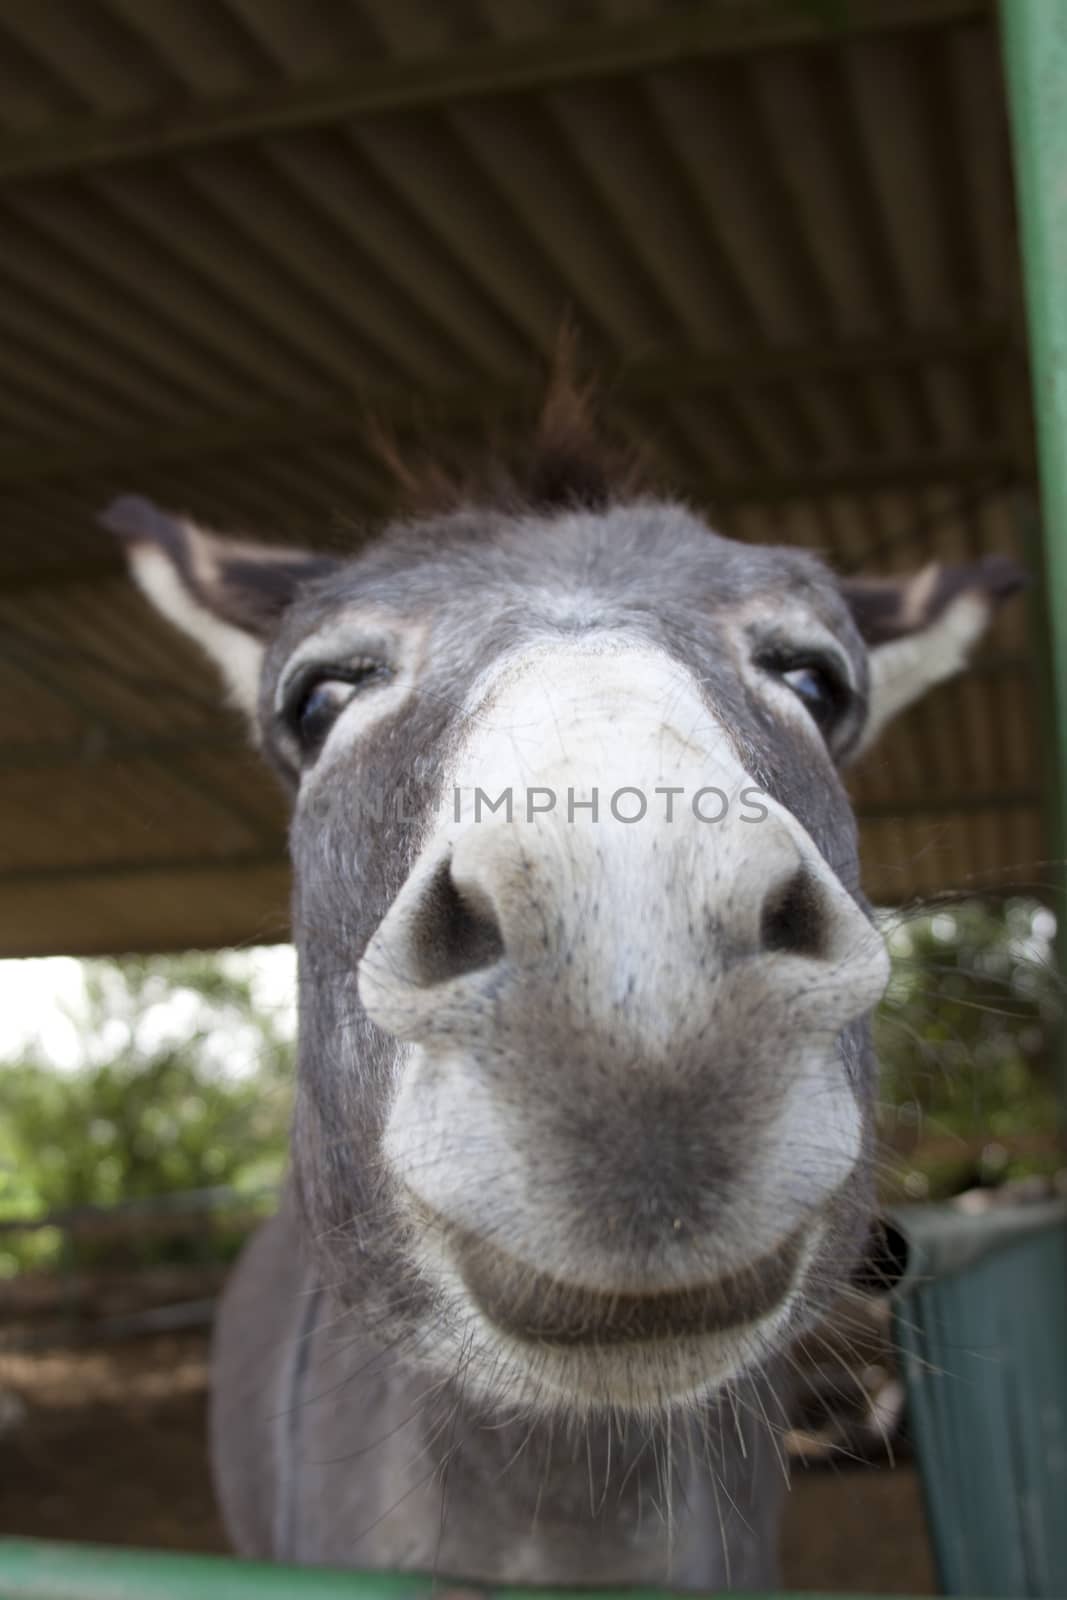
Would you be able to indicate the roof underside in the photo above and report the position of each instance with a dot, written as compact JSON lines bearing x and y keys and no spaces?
{"x":231,"y":228}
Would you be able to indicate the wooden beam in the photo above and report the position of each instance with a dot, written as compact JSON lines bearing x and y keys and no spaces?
{"x":918,"y":807}
{"x":677,"y":375}
{"x":64,"y":574}
{"x":573,"y":54}
{"x":684,"y":372}
{"x":929,"y":468}
{"x":993,"y":463}
{"x":179,"y":905}
{"x":78,"y":755}
{"x":110,"y":871}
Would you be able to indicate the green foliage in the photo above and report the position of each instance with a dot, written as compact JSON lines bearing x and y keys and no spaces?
{"x":966,"y":1038}
{"x":184,"y":1083}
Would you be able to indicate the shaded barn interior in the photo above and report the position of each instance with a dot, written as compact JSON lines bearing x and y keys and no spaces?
{"x":234,"y":230}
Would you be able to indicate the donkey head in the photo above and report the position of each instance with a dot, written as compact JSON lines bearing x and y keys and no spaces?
{"x":586,"y":1087}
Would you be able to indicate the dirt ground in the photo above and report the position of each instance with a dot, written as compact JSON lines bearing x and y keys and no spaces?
{"x":112,"y":1448}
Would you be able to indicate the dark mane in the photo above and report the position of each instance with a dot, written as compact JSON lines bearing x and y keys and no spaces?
{"x":569,"y":461}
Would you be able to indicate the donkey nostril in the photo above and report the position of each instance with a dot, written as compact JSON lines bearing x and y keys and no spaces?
{"x":793,"y":917}
{"x":454,"y":933}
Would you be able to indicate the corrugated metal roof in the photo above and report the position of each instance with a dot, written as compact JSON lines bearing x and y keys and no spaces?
{"x":231,"y":228}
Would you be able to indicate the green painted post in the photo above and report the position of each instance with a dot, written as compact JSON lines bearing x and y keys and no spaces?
{"x":1035,"y":56}
{"x":1034,"y":34}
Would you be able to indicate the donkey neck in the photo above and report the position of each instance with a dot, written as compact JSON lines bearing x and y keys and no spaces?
{"x":438,"y":1484}
{"x":602,"y":1502}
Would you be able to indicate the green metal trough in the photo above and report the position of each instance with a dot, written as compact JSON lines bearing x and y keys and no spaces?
{"x":981,"y":1326}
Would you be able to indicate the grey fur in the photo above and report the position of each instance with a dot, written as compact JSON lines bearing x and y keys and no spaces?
{"x":342,"y":1431}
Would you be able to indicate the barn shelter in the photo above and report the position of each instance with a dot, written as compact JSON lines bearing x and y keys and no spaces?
{"x":784,"y":229}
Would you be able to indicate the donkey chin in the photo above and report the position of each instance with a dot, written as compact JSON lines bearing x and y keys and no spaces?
{"x":528,"y":1339}
{"x":627,"y":1265}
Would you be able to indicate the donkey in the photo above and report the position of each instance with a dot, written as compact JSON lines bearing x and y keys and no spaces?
{"x":583,"y":1129}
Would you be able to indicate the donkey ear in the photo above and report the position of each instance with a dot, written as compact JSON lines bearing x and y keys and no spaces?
{"x":227,"y":594}
{"x":920,"y":629}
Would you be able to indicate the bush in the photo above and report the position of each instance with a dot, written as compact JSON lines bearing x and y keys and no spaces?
{"x":966,"y":1038}
{"x":183,"y":1083}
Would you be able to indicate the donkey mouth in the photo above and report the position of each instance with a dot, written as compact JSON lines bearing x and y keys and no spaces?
{"x":540,"y":1309}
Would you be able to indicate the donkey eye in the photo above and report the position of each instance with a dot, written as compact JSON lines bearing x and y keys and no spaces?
{"x":820,"y":689}
{"x":318,"y":700}
{"x":320,"y":708}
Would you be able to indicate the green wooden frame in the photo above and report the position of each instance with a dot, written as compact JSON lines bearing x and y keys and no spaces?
{"x":38,"y":1571}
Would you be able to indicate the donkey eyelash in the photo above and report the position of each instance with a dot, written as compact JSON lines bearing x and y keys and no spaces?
{"x":782,"y":658}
